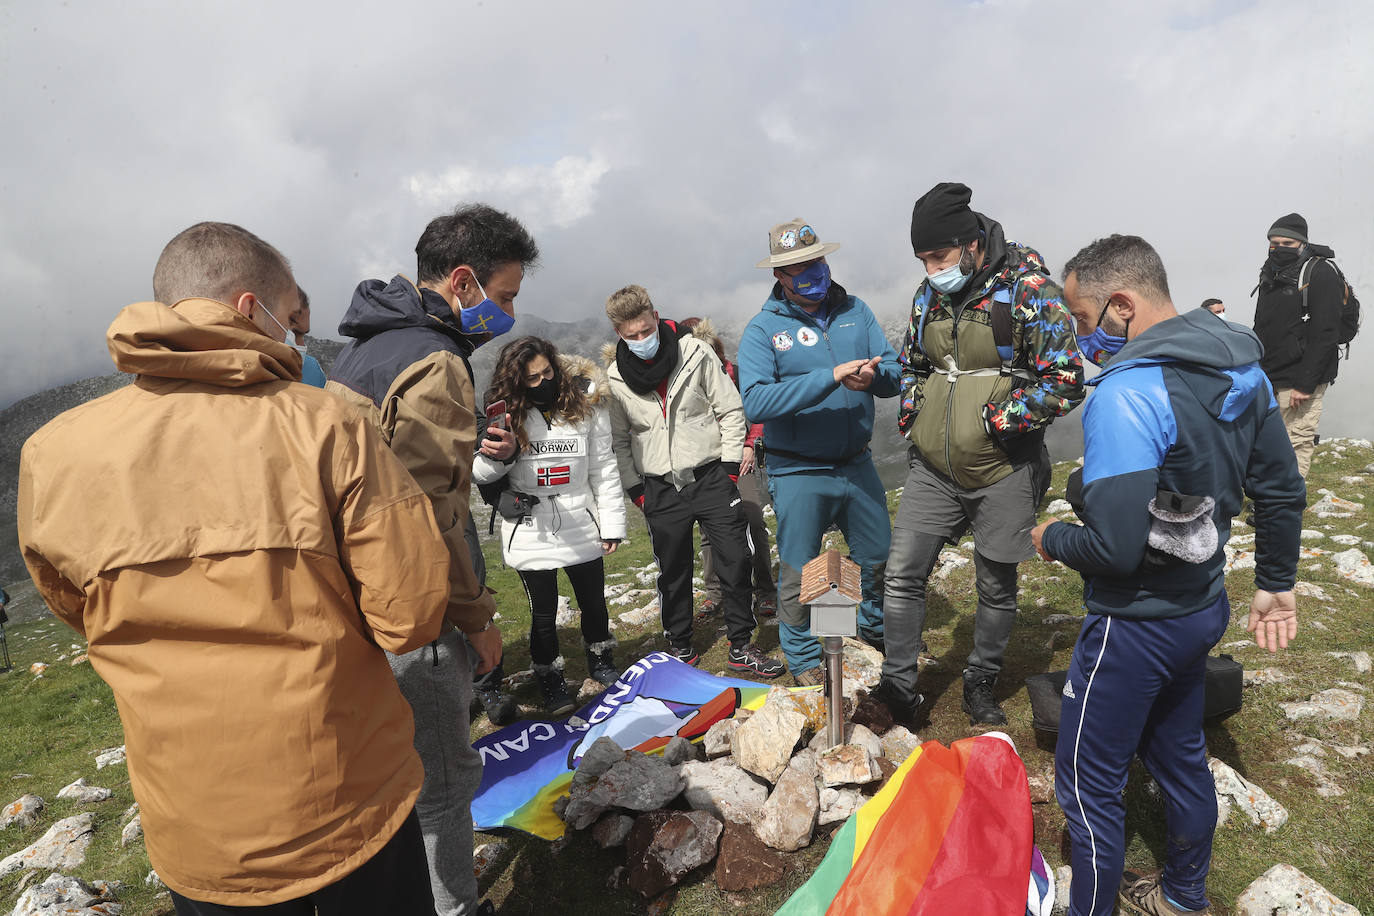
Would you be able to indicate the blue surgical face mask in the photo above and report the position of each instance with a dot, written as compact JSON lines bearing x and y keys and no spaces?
{"x":951,"y":279}
{"x":486,"y":317}
{"x":812,"y":284}
{"x":1099,"y":346}
{"x":645,"y":348}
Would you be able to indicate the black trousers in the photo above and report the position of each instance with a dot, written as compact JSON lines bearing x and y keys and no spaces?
{"x":395,"y":880}
{"x":713,"y":502}
{"x":589,"y":586}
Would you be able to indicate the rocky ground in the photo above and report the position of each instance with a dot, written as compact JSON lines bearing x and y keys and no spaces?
{"x":736,"y":823}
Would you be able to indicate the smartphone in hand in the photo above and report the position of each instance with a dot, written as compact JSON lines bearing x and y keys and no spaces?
{"x":496,"y":415}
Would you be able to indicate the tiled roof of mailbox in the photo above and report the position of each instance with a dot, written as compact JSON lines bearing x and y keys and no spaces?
{"x":831,"y":570}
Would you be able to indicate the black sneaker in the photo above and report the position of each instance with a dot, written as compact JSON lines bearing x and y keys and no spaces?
{"x":557,"y":700}
{"x":979,"y":703}
{"x":751,"y":658}
{"x":500,"y":708}
{"x":685,"y":654}
{"x":902,"y":708}
{"x":600,"y":664}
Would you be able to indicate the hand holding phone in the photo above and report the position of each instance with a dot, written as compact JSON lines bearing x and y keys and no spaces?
{"x":496,"y":415}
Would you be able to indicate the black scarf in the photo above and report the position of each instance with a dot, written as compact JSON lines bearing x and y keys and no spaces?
{"x":644,"y":376}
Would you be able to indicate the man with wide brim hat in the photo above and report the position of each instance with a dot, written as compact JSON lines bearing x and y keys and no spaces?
{"x":810,"y":364}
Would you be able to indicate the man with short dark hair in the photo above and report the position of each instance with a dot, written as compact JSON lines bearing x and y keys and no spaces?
{"x":257,"y":542}
{"x":1298,"y":319}
{"x":1215,"y":306}
{"x":312,"y":373}
{"x":810,"y":364}
{"x":1181,"y":425}
{"x":988,"y":363}
{"x":407,"y":368}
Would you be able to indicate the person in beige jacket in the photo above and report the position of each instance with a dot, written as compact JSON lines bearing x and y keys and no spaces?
{"x":238,"y":548}
{"x":677,"y":430}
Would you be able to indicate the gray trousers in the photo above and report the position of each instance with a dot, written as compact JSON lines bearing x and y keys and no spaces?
{"x":437,"y":682}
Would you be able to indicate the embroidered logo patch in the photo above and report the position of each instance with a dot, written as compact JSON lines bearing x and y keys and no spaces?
{"x":782,"y":341}
{"x":807,"y":337}
{"x":787,"y":240}
{"x":554,"y":476}
{"x":1068,"y":690}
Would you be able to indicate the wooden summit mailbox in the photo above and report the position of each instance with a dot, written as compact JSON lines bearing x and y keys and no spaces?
{"x":832,"y":585}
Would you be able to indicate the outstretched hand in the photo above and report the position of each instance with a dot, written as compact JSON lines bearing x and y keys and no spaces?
{"x":1273,"y":619}
{"x":857,"y":374}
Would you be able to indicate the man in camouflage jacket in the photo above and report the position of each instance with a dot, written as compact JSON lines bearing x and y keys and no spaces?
{"x":989,"y":360}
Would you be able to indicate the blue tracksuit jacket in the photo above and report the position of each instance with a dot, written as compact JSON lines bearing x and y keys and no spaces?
{"x":1184,"y":407}
{"x":787,"y":366}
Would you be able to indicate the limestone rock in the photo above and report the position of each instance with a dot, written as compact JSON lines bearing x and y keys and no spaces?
{"x":1059,"y":507}
{"x":898,"y":743}
{"x":863,"y":666}
{"x":566,"y":615}
{"x":61,"y":895}
{"x":111,"y":756}
{"x":1055,"y":620}
{"x":1355,"y":566}
{"x":636,"y":781}
{"x":588,"y":689}
{"x":716,"y":742}
{"x":81,"y":659}
{"x":638,"y":618}
{"x":485,"y":857}
{"x":1360,"y":660}
{"x":665,"y":845}
{"x":854,"y":733}
{"x":745,"y":863}
{"x":1334,"y":703}
{"x":612,"y":829}
{"x":723,"y":789}
{"x":763,"y":744}
{"x":23,"y":811}
{"x":1309,"y":590}
{"x":789,"y":815}
{"x":37,"y":668}
{"x":1326,"y":786}
{"x":813,"y":705}
{"x":132,"y":831}
{"x":63,"y":846}
{"x":84,"y":793}
{"x":1263,"y":677}
{"x":1285,"y":891}
{"x":846,"y":765}
{"x":1249,"y":798}
{"x":1332,"y":506}
{"x":837,"y":804}
{"x":1041,"y":789}
{"x":600,"y":757}
{"x":1063,"y":882}
{"x":152,"y":880}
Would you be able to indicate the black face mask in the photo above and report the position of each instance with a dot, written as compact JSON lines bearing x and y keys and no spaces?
{"x":544,"y":395}
{"x":1282,"y":258}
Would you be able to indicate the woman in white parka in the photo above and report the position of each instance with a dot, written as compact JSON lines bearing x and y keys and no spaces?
{"x":563,"y":507}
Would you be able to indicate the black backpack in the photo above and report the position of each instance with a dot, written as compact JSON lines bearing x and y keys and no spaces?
{"x":1350,"y":304}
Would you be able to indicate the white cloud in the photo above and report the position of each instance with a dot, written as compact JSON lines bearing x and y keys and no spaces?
{"x":556,"y":195}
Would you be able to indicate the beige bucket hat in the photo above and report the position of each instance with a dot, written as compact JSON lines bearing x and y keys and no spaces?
{"x":794,"y":242}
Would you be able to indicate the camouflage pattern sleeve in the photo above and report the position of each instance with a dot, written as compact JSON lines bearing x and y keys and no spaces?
{"x":915,"y":369}
{"x":1048,"y":350}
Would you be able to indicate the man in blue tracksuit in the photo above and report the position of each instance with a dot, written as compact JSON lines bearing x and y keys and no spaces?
{"x":1182,"y":425}
{"x":810,"y":364}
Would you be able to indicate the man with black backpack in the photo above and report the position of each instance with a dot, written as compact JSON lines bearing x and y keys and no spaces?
{"x":1305,"y":311}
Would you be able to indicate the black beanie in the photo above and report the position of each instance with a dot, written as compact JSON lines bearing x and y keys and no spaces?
{"x":1291,"y":226}
{"x":942,"y":218}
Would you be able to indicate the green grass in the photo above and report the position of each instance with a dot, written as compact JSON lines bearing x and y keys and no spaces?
{"x":53,"y":725}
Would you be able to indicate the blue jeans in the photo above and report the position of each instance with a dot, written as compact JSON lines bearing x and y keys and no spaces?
{"x":806,"y":503}
{"x":1136,"y":687}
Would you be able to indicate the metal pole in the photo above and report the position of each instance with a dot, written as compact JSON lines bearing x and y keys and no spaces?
{"x":834,"y":687}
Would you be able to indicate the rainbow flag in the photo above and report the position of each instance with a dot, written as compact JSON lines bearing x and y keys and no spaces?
{"x":529,"y":765}
{"x":951,"y":832}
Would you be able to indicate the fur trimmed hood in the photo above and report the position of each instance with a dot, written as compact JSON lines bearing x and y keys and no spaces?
{"x":575,"y":366}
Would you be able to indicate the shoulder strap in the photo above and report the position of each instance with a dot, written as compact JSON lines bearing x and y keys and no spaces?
{"x":921,"y":321}
{"x":1000,"y":314}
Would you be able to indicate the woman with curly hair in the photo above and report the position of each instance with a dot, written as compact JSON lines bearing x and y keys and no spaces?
{"x":563,"y":507}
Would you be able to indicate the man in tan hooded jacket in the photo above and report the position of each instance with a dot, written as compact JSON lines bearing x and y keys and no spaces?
{"x":236,"y":547}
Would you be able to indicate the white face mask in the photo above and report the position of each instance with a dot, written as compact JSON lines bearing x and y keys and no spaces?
{"x":286,"y":335}
{"x":646,"y":348}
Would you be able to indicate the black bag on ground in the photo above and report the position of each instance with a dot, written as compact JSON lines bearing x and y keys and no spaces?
{"x":1222,"y":688}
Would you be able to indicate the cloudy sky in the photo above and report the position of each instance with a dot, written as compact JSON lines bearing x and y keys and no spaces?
{"x":656,"y":143}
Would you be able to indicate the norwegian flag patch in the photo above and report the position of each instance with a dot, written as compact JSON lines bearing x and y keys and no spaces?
{"x":554,"y":476}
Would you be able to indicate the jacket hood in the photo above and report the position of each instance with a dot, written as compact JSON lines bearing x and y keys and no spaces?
{"x":378,"y":307}
{"x":575,"y":366}
{"x":1006,"y":261}
{"x":1223,"y":357}
{"x":200,"y":340}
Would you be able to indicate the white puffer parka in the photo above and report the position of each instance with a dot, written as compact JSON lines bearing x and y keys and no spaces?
{"x":571,"y":469}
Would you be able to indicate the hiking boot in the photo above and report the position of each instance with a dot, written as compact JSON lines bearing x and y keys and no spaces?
{"x":499,"y":707}
{"x":751,"y":658}
{"x":600,"y":665}
{"x":557,"y":700}
{"x":979,"y":703}
{"x":766,"y":604}
{"x":1141,"y":896}
{"x":810,"y":677}
{"x":903,"y":709}
{"x":708,"y":608}
{"x":684,"y":654}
